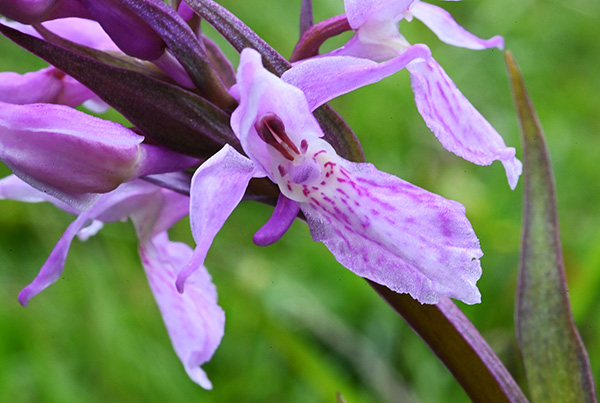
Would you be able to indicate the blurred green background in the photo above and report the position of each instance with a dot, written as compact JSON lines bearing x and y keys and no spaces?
{"x":299,"y":326}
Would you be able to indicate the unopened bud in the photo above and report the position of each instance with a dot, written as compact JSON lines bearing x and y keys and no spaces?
{"x":60,"y":150}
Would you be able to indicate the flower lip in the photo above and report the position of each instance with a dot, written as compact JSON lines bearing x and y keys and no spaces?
{"x":271,"y":130}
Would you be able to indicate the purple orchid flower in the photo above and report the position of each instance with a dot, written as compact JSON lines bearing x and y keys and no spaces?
{"x":74,"y":156}
{"x":50,"y":85}
{"x":121,"y":24}
{"x":194,"y":321}
{"x":456,"y":123}
{"x":36,"y":11}
{"x":131,"y":34}
{"x":375,"y":224}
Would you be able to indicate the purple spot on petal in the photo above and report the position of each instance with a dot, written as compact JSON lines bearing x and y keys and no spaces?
{"x":317,"y":153}
{"x":342,"y":192}
{"x":282,"y":170}
{"x":303,"y":146}
{"x":327,"y":199}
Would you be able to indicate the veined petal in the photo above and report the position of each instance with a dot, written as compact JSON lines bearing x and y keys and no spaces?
{"x":396,"y":234}
{"x":217,"y":188}
{"x":447,"y":29}
{"x":283,"y":216}
{"x":194,"y":321}
{"x":455,"y":121}
{"x":324,"y":78}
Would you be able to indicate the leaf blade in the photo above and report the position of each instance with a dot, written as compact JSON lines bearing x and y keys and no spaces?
{"x":556,"y":363}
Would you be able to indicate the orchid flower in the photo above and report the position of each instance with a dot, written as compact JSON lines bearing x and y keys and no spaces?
{"x":453,"y":119}
{"x":129,"y":32}
{"x":194,"y":321}
{"x":73,"y":155}
{"x":50,"y":85}
{"x":375,"y":224}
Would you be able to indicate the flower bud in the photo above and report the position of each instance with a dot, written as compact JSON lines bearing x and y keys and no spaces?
{"x":36,"y":11}
{"x":66,"y":153}
{"x":130,"y":32}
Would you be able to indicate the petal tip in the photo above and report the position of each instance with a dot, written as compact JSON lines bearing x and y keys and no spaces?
{"x":497,"y":42}
{"x":25,"y":296}
{"x":180,"y":282}
{"x":514,"y":169}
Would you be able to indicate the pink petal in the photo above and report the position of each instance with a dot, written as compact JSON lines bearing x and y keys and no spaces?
{"x":194,"y":321}
{"x":261,"y":92}
{"x":52,"y":269}
{"x":283,"y":216}
{"x":324,"y":78}
{"x":396,"y":234}
{"x":456,"y":123}
{"x":447,"y":29}
{"x":14,"y":188}
{"x":360,"y":11}
{"x":217,"y":188}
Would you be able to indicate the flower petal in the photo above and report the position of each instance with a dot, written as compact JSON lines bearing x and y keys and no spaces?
{"x":261,"y":92}
{"x":109,"y":207}
{"x":456,"y":123}
{"x":35,"y":11}
{"x":447,"y":29}
{"x":14,"y":188}
{"x":128,"y":30}
{"x":194,"y":321}
{"x":283,"y":216}
{"x":324,"y":78}
{"x":360,"y":11}
{"x":61,"y":148}
{"x":396,"y":234}
{"x":79,"y":30}
{"x":217,"y":188}
{"x":70,"y":154}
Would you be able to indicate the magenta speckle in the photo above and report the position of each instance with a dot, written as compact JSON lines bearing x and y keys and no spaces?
{"x":282,"y":170}
{"x":342,"y":193}
{"x":318,"y":152}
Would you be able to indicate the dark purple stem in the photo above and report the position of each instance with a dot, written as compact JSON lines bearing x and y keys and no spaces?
{"x":313,"y":38}
{"x":306,"y":16}
{"x":458,"y":344}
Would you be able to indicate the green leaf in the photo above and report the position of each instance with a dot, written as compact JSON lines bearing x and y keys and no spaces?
{"x":556,"y":363}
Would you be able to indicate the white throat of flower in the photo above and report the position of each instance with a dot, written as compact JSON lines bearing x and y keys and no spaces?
{"x":300,"y":167}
